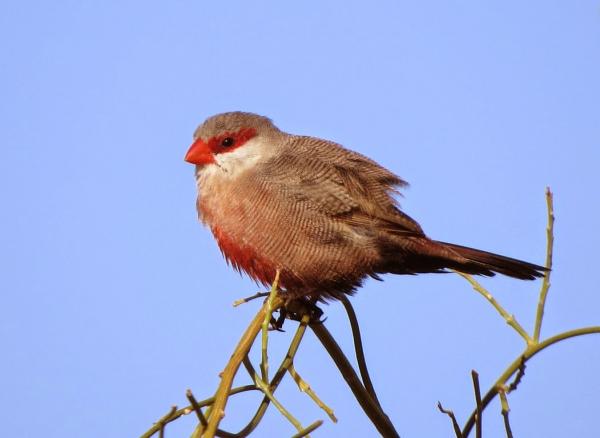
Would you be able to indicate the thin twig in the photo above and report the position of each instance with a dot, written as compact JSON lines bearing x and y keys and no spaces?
{"x":510,"y":319}
{"x":358,"y":348}
{"x":517,"y":363}
{"x":546,"y":282}
{"x":262,"y":408}
{"x":309,"y":429}
{"x":196,"y":407}
{"x":188,"y":409}
{"x":505,"y":411}
{"x":264,"y":387}
{"x":379,"y":419}
{"x":518,"y":377}
{"x":305,"y":387}
{"x":250,"y":298}
{"x":450,"y":414}
{"x":264,"y":362}
{"x":161,"y":423}
{"x":230,"y":370}
{"x":479,"y":419}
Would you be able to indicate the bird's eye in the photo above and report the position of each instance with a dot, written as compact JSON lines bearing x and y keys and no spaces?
{"x":227,"y":142}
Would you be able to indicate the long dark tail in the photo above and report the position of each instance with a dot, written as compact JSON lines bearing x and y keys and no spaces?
{"x":475,"y":261}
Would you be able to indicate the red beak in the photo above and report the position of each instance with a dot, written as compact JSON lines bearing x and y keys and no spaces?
{"x":199,"y":153}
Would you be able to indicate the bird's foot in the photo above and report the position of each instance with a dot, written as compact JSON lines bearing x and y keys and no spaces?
{"x":297,"y":308}
{"x":277,"y":323}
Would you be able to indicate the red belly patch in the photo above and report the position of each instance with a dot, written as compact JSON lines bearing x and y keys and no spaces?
{"x":245,"y":258}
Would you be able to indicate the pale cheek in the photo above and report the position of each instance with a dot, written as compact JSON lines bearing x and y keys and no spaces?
{"x":224,"y":162}
{"x":228,"y":167}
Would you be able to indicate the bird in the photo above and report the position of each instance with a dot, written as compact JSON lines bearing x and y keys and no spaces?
{"x":325,"y":217}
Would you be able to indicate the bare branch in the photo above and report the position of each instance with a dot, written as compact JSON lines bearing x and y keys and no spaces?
{"x":505,"y":411}
{"x":358,"y":348}
{"x":309,"y":429}
{"x":510,"y":319}
{"x":450,"y":414}
{"x":369,"y":406}
{"x":546,"y":282}
{"x":517,"y":364}
{"x":479,"y":410}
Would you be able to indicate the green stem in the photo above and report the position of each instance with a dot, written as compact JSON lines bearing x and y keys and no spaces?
{"x":379,"y":419}
{"x":510,"y":319}
{"x":309,"y":429}
{"x":264,"y":387}
{"x":240,"y":352}
{"x":358,"y":348}
{"x":305,"y":387}
{"x":546,"y":282}
{"x":529,"y":352}
{"x":505,"y":411}
{"x":262,"y":408}
{"x":264,"y":363}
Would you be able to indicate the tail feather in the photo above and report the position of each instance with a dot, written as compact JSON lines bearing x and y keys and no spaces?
{"x":475,"y":261}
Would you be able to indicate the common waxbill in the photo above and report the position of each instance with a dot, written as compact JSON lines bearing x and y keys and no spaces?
{"x":323,"y":215}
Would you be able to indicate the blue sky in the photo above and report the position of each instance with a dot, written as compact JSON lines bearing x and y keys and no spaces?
{"x":115,"y":300}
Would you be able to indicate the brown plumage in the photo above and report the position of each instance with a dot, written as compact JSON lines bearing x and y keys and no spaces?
{"x":323,"y":215}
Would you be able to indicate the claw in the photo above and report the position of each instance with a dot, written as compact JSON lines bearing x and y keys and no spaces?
{"x":295,"y":309}
{"x":277,"y":324}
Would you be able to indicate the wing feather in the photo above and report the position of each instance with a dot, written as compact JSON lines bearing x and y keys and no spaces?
{"x":340,"y":183}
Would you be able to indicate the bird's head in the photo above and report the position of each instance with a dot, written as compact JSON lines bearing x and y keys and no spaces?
{"x":232,"y":138}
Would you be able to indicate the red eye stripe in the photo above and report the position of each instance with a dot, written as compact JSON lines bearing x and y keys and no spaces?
{"x":239,"y":139}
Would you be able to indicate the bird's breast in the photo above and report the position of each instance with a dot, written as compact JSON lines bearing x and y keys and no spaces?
{"x":231,"y":209}
{"x":244,"y":257}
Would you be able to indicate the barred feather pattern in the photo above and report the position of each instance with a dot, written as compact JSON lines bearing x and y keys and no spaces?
{"x":326,"y":217}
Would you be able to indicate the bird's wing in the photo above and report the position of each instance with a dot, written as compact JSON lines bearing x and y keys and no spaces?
{"x":340,"y":183}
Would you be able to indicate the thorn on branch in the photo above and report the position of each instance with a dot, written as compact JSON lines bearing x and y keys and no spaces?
{"x":519,"y":375}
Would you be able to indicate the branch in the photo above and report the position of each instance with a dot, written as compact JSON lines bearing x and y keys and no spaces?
{"x":358,"y":348}
{"x":369,"y":406}
{"x":242,"y":349}
{"x":546,"y":282}
{"x":309,"y":429}
{"x":510,"y":319}
{"x":196,"y":407}
{"x":264,"y":387}
{"x":505,"y":411}
{"x":478,"y":409}
{"x":262,"y":408}
{"x":305,"y":387}
{"x":519,"y":363}
{"x":264,"y":362}
{"x":162,"y":422}
{"x":450,"y":414}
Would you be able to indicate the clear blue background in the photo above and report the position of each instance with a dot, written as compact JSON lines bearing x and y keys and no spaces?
{"x":115,"y":300}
